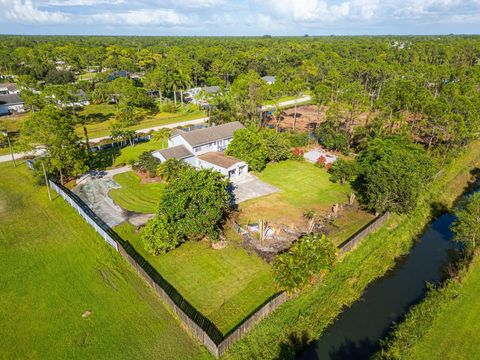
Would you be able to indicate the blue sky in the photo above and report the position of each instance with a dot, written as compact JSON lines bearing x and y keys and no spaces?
{"x":236,"y":17}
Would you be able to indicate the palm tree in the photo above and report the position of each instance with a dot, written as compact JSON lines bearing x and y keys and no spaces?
{"x":177,"y":80}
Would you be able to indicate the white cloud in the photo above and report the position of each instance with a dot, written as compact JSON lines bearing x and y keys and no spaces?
{"x":82,"y":2}
{"x":25,"y":12}
{"x":304,"y":11}
{"x":200,"y":4}
{"x":144,"y":17}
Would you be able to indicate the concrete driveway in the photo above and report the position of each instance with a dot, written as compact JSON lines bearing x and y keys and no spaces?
{"x":93,"y":189}
{"x":248,"y":186}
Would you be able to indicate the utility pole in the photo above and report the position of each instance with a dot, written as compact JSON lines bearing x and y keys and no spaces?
{"x":5,"y":133}
{"x":46,"y":182}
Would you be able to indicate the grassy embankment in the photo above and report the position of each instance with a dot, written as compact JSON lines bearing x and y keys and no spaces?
{"x":224,"y":285}
{"x":55,"y":268}
{"x":304,"y":318}
{"x":135,"y":196}
{"x":303,"y":187}
{"x":444,"y":325}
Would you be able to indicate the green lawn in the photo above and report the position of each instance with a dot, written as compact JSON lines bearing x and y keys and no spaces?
{"x":135,"y":196}
{"x":130,"y":154}
{"x":303,"y":187}
{"x":100,"y":117}
{"x":54,"y":268}
{"x":454,"y":333}
{"x":225,"y":285}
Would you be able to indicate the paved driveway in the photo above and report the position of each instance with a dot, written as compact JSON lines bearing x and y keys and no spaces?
{"x":93,"y":189}
{"x":248,"y":186}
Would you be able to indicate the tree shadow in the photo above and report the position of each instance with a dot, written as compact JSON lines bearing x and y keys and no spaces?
{"x":293,"y":345}
{"x":103,"y":159}
{"x":98,"y":117}
{"x":357,"y":350}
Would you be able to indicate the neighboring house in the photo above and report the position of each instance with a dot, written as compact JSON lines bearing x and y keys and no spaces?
{"x":9,"y":88}
{"x":11,"y":103}
{"x":269,"y":79}
{"x":82,"y":99}
{"x":193,"y":95}
{"x":203,"y":148}
{"x":119,"y":74}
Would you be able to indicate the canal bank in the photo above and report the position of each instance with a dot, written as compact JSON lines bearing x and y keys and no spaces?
{"x":358,"y":330}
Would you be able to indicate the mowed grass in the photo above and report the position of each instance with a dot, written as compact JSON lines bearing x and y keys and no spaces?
{"x":100,"y":118}
{"x":131,"y":154}
{"x":225,"y":285}
{"x":454,"y":334}
{"x":303,"y":187}
{"x":54,"y":268}
{"x":135,"y":196}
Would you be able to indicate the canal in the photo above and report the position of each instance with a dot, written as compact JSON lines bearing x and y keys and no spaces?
{"x":357,"y":331}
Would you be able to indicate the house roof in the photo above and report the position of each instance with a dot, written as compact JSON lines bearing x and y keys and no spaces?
{"x":269,"y":78}
{"x":219,"y":159}
{"x":10,"y":99}
{"x":212,"y":89}
{"x":8,"y":86}
{"x":204,"y":136}
{"x":175,"y":152}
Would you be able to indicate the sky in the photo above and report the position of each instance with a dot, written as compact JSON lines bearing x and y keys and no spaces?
{"x":239,"y":17}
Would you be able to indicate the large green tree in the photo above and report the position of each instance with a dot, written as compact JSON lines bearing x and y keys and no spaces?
{"x":65,"y":155}
{"x":467,"y":226}
{"x":257,"y":147}
{"x":393,"y":172}
{"x":192,"y":207}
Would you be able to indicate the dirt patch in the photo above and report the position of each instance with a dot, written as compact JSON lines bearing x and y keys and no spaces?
{"x":308,"y":118}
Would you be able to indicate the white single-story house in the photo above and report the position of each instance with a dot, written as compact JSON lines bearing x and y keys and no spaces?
{"x":9,"y":88}
{"x":192,"y":95}
{"x":269,"y":79}
{"x":11,"y":103}
{"x":203,"y":149}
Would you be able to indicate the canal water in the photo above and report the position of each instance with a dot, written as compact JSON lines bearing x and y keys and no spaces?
{"x":358,"y":330}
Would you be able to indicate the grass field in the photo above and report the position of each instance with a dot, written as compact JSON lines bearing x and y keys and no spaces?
{"x":132,"y":153}
{"x":454,"y":334}
{"x":225,"y":285}
{"x":304,"y":187}
{"x":100,"y":117}
{"x":135,"y":196}
{"x":54,"y":268}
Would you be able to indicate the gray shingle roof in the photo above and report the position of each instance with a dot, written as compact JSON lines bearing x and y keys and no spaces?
{"x":212,"y":89}
{"x":269,"y":78}
{"x":204,"y":136}
{"x":219,"y":159}
{"x":10,"y":99}
{"x":175,"y":152}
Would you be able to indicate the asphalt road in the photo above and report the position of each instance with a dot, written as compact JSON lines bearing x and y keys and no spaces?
{"x":5,"y":158}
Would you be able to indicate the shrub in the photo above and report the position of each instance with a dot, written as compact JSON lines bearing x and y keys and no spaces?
{"x":321,"y":161}
{"x":147,"y":163}
{"x":171,"y":169}
{"x":310,"y":256}
{"x":298,"y":153}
